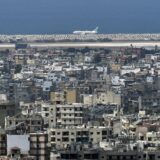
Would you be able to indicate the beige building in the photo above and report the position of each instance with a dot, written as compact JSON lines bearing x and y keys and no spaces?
{"x":66,"y":114}
{"x":57,"y":97}
{"x":88,"y":99}
{"x":30,"y":61}
{"x":102,"y":97}
{"x":67,"y":96}
{"x":108,"y":97}
{"x":70,"y":95}
{"x":21,"y":58}
{"x":61,"y":137}
{"x":115,"y":67}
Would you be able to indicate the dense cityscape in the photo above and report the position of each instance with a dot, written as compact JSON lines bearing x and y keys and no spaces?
{"x":79,"y":103}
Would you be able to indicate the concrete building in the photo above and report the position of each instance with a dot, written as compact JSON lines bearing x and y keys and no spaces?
{"x":3,"y":143}
{"x":70,"y":95}
{"x":107,"y":97}
{"x":19,"y":141}
{"x":18,"y":147}
{"x":39,"y":146}
{"x":62,"y":137}
{"x":88,"y":99}
{"x":57,"y":97}
{"x":115,"y":67}
{"x":66,"y":114}
{"x":6,"y":109}
{"x":24,"y":124}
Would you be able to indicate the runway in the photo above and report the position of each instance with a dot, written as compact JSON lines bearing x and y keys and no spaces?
{"x":135,"y":44}
{"x":148,"y":44}
{"x":7,"y":46}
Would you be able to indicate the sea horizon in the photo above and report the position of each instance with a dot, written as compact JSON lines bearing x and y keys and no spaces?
{"x":63,"y":17}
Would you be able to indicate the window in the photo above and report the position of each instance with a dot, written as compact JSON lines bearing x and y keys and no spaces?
{"x":53,"y":139}
{"x":91,"y":156}
{"x":78,"y":133}
{"x":65,"y":156}
{"x":65,"y":139}
{"x":47,"y":114}
{"x":65,"y":133}
{"x":45,"y":109}
{"x":85,"y":133}
{"x":80,"y":114}
{"x":104,"y":133}
{"x":73,"y":156}
{"x":3,"y":138}
{"x":39,"y":122}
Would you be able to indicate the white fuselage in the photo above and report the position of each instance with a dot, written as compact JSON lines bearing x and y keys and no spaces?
{"x":85,"y":32}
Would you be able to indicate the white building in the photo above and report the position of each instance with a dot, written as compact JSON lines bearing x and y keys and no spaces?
{"x":18,"y":141}
{"x":130,"y":70}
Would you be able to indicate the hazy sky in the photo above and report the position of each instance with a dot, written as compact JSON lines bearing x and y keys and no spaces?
{"x":63,"y":16}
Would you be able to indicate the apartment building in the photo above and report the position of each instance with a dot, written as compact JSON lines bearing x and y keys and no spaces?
{"x":68,"y":96}
{"x":24,"y":124}
{"x":6,"y":109}
{"x":66,"y":114}
{"x":39,"y":146}
{"x":109,"y":97}
{"x":62,"y":137}
{"x":57,"y":97}
{"x":3,"y":144}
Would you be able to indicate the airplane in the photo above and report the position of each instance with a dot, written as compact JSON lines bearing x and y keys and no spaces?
{"x":95,"y":31}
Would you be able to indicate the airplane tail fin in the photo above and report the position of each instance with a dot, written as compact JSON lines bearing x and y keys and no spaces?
{"x":96,"y":29}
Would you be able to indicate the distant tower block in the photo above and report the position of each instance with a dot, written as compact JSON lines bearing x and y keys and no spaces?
{"x":140,"y":103}
{"x":108,"y":82}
